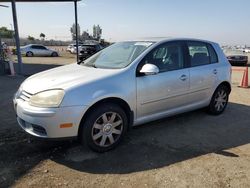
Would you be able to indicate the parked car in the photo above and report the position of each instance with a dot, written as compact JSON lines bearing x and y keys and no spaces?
{"x":37,"y":50}
{"x":124,"y":85}
{"x":72,"y":48}
{"x":88,"y":50}
{"x":246,"y":50}
{"x":238,"y":59}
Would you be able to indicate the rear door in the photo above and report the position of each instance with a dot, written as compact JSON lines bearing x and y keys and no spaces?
{"x":203,"y":70}
{"x":166,"y":90}
{"x":35,"y":50}
{"x":44,"y":51}
{"x":39,"y":50}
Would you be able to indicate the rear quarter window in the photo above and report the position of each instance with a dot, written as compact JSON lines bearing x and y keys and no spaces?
{"x":201,"y":53}
{"x":213,"y":54}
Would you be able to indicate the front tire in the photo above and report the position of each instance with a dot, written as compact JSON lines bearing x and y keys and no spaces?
{"x":54,"y":54}
{"x":219,"y":100}
{"x":104,"y":127}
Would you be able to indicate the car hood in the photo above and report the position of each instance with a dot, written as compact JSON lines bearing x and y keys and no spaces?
{"x":65,"y":77}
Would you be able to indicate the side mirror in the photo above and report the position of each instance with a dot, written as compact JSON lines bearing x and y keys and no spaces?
{"x":149,"y":69}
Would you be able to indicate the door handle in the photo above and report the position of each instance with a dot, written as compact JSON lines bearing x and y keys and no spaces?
{"x":183,"y":77}
{"x":215,"y":71}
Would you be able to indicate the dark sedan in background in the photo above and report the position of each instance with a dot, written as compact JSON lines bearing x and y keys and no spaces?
{"x":238,"y":59}
{"x":88,"y":50}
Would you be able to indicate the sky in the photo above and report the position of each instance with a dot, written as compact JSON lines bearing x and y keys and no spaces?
{"x":222,"y":21}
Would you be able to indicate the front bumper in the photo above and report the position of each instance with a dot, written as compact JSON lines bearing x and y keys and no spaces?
{"x":45,"y":122}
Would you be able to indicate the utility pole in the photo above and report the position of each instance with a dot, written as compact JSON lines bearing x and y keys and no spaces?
{"x":19,"y":58}
{"x":76,"y":29}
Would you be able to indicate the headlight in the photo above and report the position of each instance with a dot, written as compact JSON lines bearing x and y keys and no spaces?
{"x":47,"y":99}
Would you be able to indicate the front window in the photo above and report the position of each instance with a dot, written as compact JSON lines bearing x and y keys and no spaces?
{"x":167,"y":57}
{"x":118,"y":55}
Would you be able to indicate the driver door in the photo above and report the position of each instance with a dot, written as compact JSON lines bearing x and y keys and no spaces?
{"x":167,"y":90}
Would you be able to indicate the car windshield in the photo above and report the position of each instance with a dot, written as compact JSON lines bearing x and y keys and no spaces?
{"x":118,"y":55}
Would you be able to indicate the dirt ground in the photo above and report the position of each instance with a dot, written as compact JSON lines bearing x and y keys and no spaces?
{"x":189,"y":150}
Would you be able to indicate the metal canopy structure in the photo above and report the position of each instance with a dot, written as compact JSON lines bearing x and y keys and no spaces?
{"x":17,"y":39}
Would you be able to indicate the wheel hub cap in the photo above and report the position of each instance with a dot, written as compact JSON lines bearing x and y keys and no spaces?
{"x":107,"y":128}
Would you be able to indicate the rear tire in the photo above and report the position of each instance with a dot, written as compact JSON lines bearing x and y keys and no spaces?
{"x":29,"y":54}
{"x":104,"y":127}
{"x":219,"y":100}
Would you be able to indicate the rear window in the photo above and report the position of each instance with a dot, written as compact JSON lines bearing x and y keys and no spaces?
{"x":38,"y":47}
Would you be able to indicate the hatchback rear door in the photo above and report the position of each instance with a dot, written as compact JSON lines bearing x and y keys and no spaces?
{"x":203,"y":71}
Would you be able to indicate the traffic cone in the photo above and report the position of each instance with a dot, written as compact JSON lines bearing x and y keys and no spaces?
{"x":244,"y":82}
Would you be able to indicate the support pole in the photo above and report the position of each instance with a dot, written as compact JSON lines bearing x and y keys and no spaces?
{"x":76,"y":25}
{"x":19,"y":58}
{"x":1,"y":51}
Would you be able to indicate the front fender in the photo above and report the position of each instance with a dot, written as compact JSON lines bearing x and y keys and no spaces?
{"x":122,"y":86}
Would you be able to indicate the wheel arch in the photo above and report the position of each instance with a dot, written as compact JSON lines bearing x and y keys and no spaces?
{"x":227,"y":84}
{"x":115,"y":100}
{"x":54,"y":52}
{"x":224,"y":83}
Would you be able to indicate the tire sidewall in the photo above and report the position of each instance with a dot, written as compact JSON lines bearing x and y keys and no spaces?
{"x":212,"y":108}
{"x":86,"y":133}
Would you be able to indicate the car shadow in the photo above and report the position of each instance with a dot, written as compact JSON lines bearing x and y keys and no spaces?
{"x":165,"y":142}
{"x":150,"y":146}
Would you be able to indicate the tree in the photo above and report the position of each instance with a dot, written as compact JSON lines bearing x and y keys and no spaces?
{"x":42,"y":36}
{"x":31,"y":38}
{"x":85,"y":36}
{"x":97,"y":32}
{"x":73,"y":31}
{"x":6,"y":33}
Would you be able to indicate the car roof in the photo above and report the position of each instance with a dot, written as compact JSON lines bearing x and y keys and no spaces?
{"x":34,"y":44}
{"x":169,"y":39}
{"x":29,"y":45}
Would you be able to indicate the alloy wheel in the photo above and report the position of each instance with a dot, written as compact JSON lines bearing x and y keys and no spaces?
{"x":220,"y":100}
{"x":107,"y":129}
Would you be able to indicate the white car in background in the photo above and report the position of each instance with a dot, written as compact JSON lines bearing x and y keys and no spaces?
{"x":246,"y":50}
{"x":72,"y":48}
{"x":38,"y":50}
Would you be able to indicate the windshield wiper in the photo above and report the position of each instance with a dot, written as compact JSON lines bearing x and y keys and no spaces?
{"x":93,"y":65}
{"x":80,"y":62}
{"x":87,"y":65}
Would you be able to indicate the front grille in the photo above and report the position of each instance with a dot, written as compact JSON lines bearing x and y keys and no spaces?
{"x":25,"y":96}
